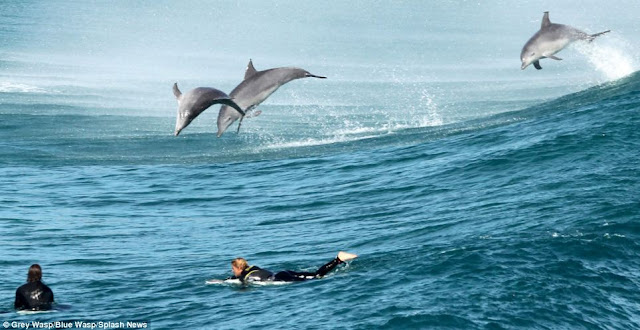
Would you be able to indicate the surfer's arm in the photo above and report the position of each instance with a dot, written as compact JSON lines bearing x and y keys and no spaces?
{"x":19,"y":303}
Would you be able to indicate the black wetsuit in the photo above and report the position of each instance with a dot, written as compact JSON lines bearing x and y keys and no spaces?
{"x":35,"y":296}
{"x":257,"y":274}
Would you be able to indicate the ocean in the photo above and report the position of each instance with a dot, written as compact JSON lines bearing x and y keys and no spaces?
{"x":476,"y":194}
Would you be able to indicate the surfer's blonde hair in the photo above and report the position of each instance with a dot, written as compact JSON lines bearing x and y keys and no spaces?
{"x":240,"y":263}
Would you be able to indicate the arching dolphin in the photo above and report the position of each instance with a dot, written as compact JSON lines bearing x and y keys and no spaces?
{"x":550,"y":39}
{"x":197,"y":100}
{"x":255,"y":88}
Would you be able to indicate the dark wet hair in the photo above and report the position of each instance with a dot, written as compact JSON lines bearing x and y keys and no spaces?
{"x":35,"y":273}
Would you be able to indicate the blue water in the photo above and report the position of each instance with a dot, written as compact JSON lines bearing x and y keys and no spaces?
{"x":477,"y":195}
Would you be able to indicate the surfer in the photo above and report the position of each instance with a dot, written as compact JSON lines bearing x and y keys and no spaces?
{"x":245,"y":273}
{"x":34,"y":295}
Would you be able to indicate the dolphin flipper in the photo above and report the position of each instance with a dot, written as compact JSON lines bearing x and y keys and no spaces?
{"x":536,"y":64}
{"x":239,"y":124}
{"x":253,"y":113}
{"x":554,"y":57}
{"x":249,"y":110}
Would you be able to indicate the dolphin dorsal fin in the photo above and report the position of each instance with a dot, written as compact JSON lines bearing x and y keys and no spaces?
{"x":545,"y":20}
{"x":250,"y":70}
{"x":176,"y":91}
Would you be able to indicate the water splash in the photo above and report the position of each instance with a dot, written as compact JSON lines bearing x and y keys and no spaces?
{"x":430,"y":117}
{"x":612,"y":57}
{"x":306,"y":120}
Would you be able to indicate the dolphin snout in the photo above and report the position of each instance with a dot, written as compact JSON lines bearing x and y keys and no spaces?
{"x":314,"y":76}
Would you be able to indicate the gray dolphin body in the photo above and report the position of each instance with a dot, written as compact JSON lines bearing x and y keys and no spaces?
{"x":256,"y":87}
{"x":550,"y":39}
{"x":194,"y":102}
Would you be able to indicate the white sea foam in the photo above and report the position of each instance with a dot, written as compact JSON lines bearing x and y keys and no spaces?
{"x":223,"y":282}
{"x":310,"y":142}
{"x":237,"y":282}
{"x":8,"y":87}
{"x":29,"y":312}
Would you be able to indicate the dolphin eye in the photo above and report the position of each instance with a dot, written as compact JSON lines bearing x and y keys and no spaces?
{"x":532,"y":54}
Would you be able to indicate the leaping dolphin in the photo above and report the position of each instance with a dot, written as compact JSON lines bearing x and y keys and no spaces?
{"x":550,"y":39}
{"x":254,"y":89}
{"x":194,"y":102}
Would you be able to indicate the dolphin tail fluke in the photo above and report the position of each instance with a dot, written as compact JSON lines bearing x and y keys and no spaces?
{"x":593,"y":36}
{"x":232,"y":104}
{"x":177,"y":92}
{"x":536,"y":64}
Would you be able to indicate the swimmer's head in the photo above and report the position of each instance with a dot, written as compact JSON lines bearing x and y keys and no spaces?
{"x":35,"y":273}
{"x":238,"y":265}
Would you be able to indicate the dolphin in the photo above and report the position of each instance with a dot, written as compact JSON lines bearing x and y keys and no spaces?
{"x":550,"y":39}
{"x":254,"y":89}
{"x":194,"y":102}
